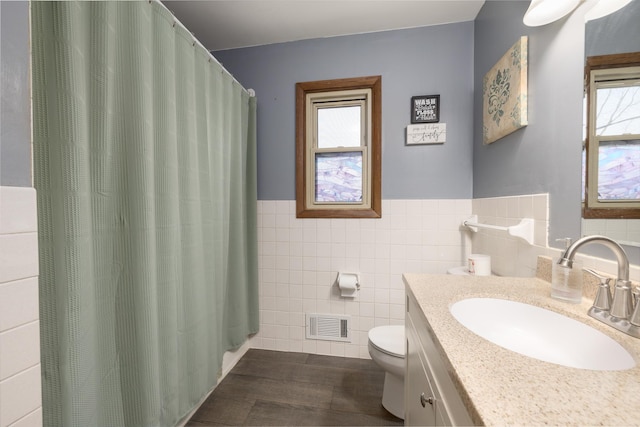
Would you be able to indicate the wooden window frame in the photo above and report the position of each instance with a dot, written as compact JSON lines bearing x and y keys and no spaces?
{"x":307,"y":209}
{"x":603,"y":62}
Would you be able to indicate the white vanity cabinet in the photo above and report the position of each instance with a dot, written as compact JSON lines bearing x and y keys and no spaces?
{"x":431,"y":399}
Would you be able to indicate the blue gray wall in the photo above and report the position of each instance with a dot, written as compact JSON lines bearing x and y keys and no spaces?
{"x":449,"y":60}
{"x":616,"y":33}
{"x":544,"y":156}
{"x":15,"y":110}
{"x":421,"y":61}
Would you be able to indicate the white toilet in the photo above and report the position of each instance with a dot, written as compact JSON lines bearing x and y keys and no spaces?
{"x":387,"y":349}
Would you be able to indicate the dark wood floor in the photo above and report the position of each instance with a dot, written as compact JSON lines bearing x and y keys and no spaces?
{"x":268,"y":388}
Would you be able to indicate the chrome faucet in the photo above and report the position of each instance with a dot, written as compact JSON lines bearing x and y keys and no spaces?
{"x":621,"y":314}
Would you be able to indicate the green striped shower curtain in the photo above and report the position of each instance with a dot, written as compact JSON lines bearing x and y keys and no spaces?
{"x":145,"y":168}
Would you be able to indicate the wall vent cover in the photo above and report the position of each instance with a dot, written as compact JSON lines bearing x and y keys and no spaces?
{"x":328,"y":327}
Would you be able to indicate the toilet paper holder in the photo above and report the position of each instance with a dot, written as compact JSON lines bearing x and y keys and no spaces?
{"x":348,"y":284}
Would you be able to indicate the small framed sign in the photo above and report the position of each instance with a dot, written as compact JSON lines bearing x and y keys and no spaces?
{"x":429,"y":133}
{"x":425,"y":109}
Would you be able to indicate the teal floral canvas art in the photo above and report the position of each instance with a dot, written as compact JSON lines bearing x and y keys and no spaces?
{"x":504,"y":88}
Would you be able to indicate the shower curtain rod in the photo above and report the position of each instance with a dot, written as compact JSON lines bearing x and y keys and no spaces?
{"x":250,"y":92}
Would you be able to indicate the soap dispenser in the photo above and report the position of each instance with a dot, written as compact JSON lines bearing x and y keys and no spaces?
{"x":566,"y":282}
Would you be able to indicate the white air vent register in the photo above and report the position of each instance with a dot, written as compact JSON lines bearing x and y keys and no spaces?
{"x":328,"y":327}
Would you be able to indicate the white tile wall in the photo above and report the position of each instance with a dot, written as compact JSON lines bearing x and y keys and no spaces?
{"x":621,"y":230}
{"x":20,"y":386}
{"x":299,"y":260}
{"x":512,"y":257}
{"x":20,"y":395}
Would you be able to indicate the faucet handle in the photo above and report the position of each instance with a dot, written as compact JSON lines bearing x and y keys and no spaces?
{"x":635,"y":317}
{"x":622,"y":304}
{"x":603,"y":297}
{"x":603,"y":279}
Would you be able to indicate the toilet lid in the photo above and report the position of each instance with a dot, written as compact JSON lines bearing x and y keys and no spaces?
{"x":388,"y":339}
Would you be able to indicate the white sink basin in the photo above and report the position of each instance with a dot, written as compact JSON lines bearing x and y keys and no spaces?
{"x":541,"y":334}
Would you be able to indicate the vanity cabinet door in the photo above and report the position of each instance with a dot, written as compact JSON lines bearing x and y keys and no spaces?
{"x":426,"y":373}
{"x":420,"y":401}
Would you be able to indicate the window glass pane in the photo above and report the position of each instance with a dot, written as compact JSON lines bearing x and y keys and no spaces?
{"x":339,"y":177}
{"x":339,"y":127}
{"x":619,"y":170}
{"x":618,"y":111}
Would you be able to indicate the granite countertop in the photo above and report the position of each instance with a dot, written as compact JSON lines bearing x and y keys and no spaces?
{"x":501,"y":387}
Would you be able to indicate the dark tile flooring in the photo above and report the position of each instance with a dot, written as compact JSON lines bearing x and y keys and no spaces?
{"x":268,"y":388}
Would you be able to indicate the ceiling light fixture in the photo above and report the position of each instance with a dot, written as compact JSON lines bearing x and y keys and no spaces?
{"x":543,"y":12}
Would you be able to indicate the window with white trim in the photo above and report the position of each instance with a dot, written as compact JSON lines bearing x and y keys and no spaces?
{"x":612,"y":181}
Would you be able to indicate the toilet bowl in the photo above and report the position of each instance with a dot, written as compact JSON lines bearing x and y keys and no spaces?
{"x":387,"y":350}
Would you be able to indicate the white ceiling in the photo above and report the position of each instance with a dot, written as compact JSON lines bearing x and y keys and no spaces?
{"x":228,"y":24}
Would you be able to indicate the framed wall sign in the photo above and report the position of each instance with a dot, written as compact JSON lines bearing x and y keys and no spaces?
{"x":425,"y":109}
{"x":428,"y":133}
